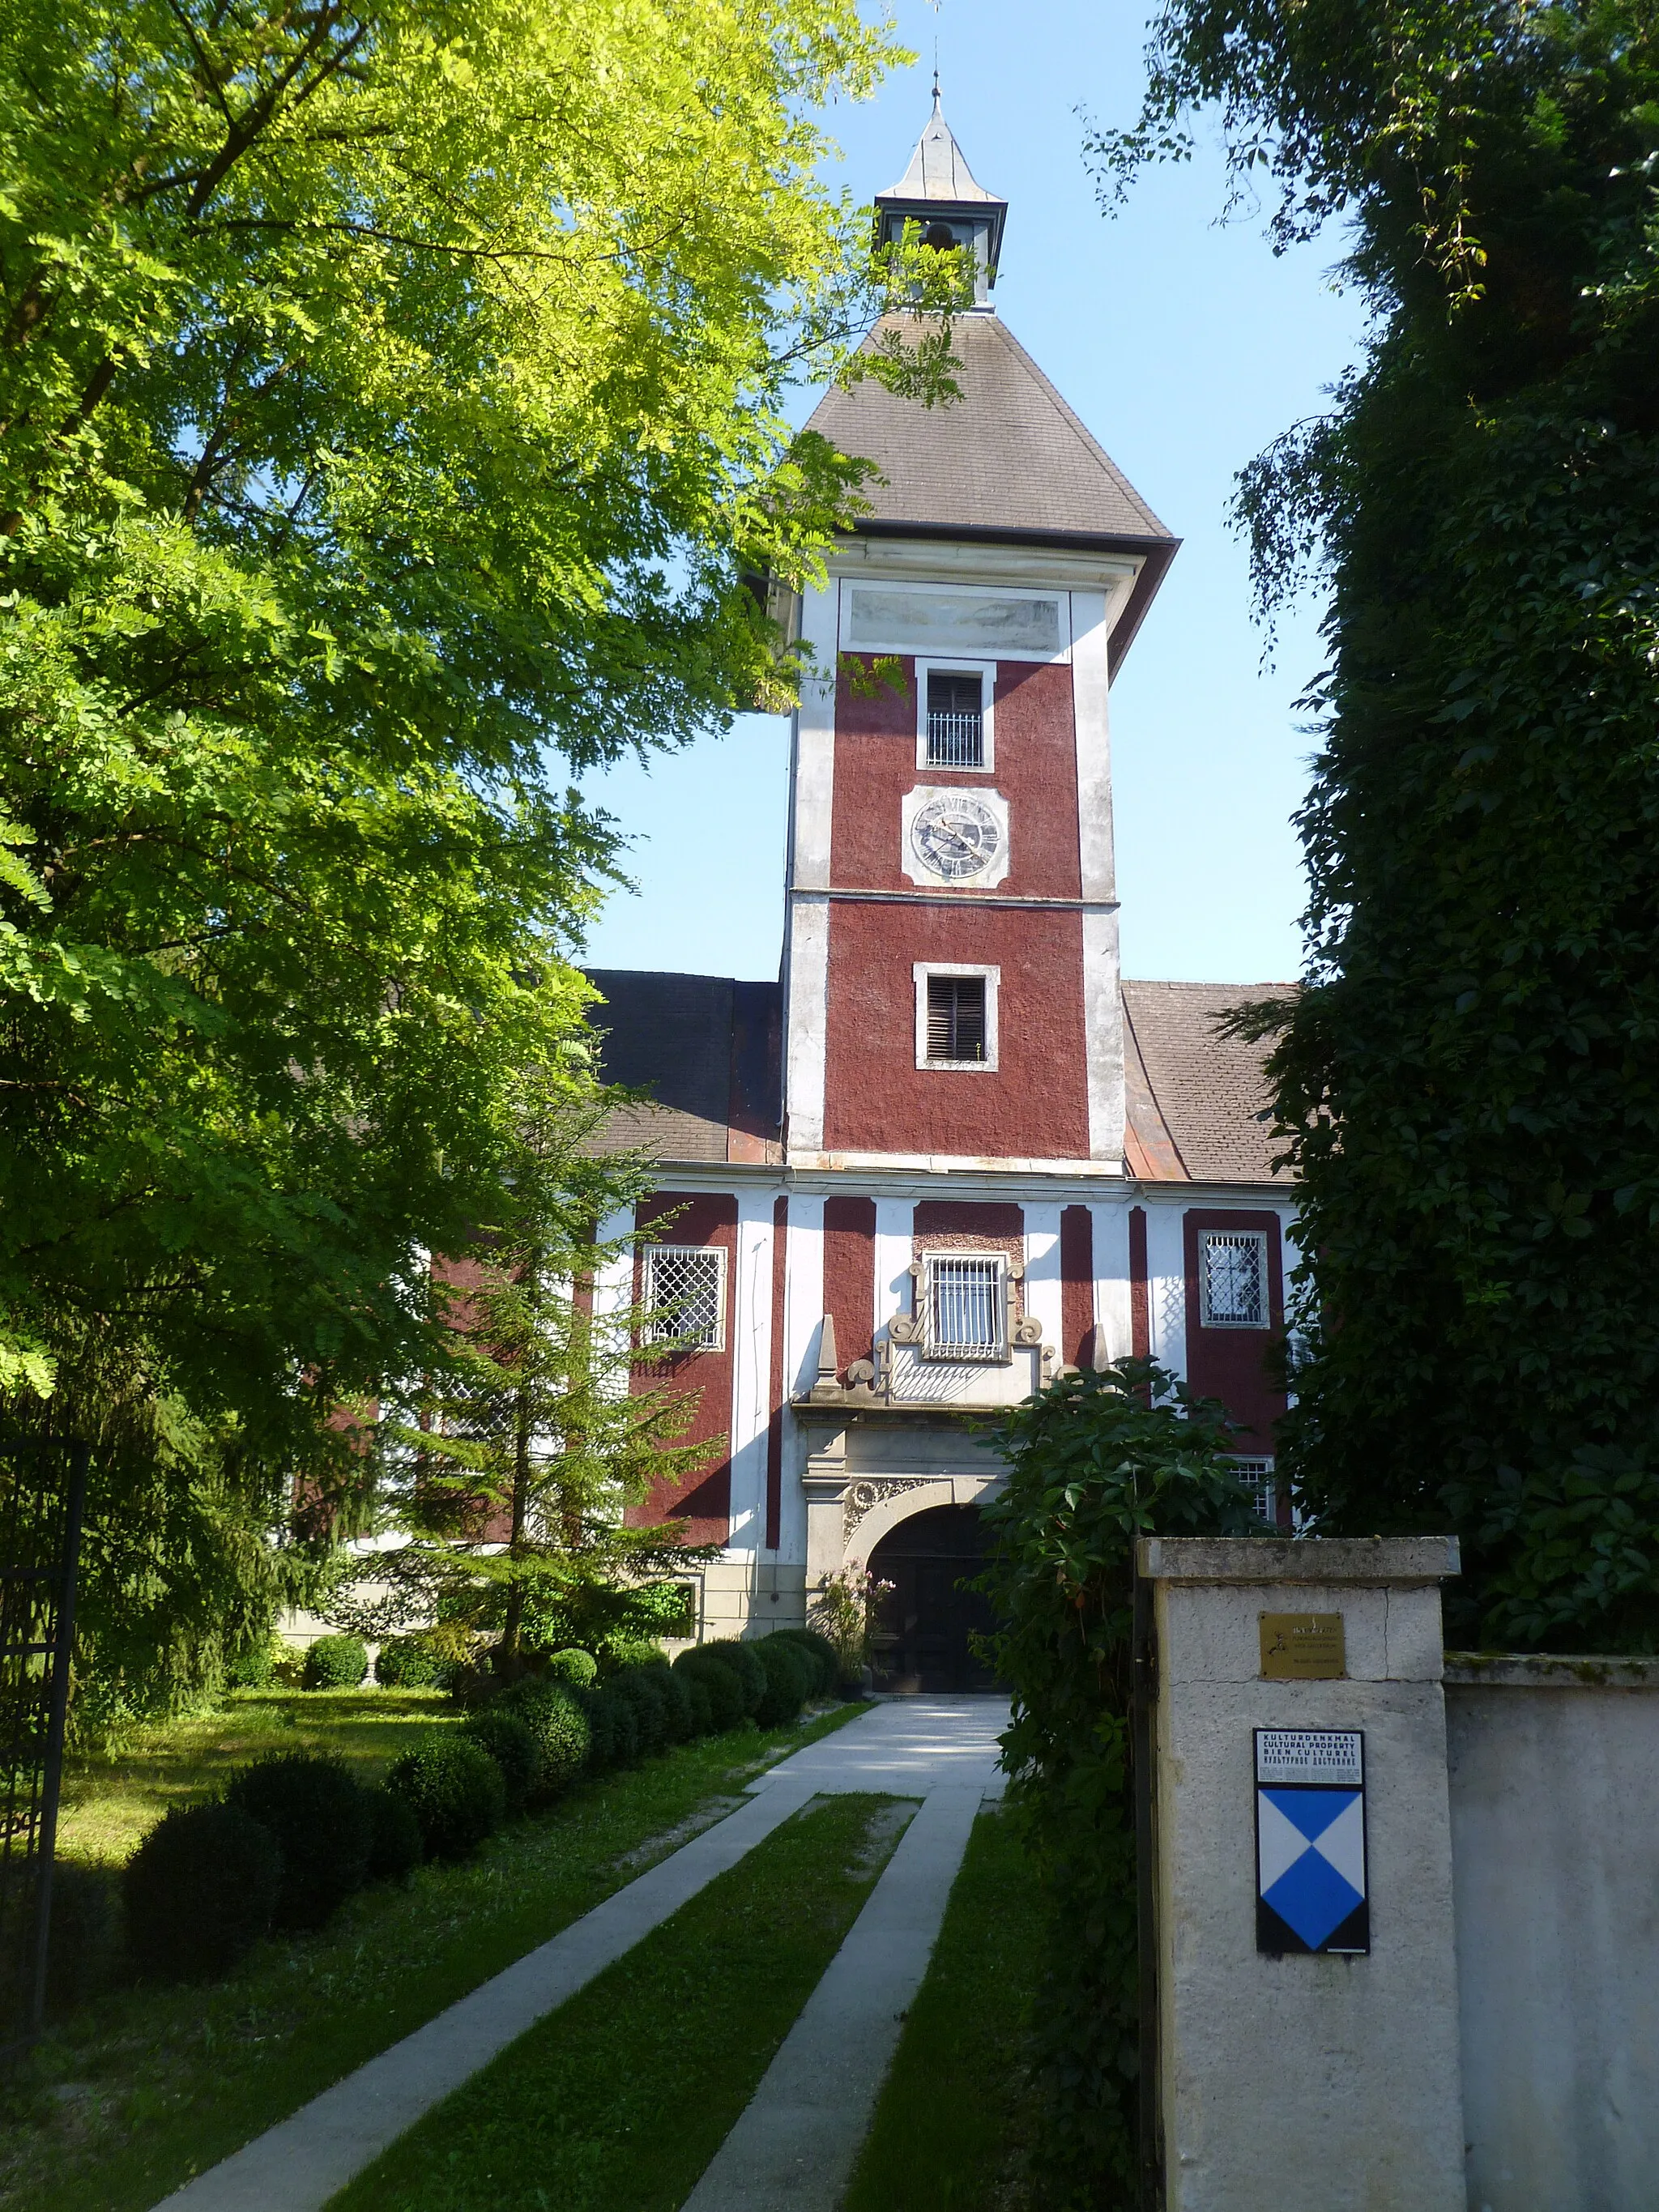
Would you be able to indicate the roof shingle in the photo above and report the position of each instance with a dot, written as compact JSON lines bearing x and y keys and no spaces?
{"x":1196,"y":1098}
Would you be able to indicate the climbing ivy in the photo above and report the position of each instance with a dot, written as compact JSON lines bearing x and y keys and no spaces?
{"x":1469,"y":1083}
{"x":1094,"y":1461}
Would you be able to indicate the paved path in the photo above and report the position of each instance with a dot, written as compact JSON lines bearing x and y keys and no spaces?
{"x":793,"y":2149}
{"x":940,"y":1749}
{"x":297,"y":2166}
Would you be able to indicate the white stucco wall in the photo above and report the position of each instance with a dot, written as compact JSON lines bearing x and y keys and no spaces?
{"x":1303,"y":2083}
{"x":1554,"y":1767}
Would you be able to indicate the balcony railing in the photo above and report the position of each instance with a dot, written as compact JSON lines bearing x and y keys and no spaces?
{"x":956,"y":740}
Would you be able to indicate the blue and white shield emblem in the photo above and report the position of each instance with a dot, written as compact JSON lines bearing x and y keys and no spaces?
{"x":1311,"y":1892}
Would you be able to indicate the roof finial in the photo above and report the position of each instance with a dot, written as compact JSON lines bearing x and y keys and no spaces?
{"x":936,"y":70}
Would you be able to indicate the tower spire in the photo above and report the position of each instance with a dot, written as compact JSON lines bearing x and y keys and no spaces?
{"x":939,"y":192}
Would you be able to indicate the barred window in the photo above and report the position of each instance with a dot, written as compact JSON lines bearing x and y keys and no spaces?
{"x":967,"y":1306}
{"x":684,"y":1295}
{"x":955,"y":719}
{"x":1232,"y":1279}
{"x":955,"y":1017}
{"x":1257,"y":1476}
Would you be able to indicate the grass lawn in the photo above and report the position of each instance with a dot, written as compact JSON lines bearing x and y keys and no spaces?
{"x":954,"y":2130}
{"x":617,"y":2102}
{"x":138,"y":2092}
{"x":110,"y":1803}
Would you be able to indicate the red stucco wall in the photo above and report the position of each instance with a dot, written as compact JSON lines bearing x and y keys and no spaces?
{"x":704,"y":1500}
{"x":1231,"y":1363}
{"x":1035,"y":1104}
{"x":850,"y":1276}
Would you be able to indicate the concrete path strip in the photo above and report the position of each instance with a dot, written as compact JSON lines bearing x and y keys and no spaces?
{"x":903,"y":1747}
{"x":793,"y":2149}
{"x":297,"y":2166}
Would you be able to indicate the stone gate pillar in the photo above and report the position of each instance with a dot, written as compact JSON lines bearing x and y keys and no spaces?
{"x":1304,"y":1976}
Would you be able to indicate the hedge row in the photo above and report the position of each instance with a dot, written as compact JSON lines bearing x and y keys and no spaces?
{"x":294,"y":1836}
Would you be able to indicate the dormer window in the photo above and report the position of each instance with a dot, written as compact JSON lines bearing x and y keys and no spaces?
{"x":956,"y":718}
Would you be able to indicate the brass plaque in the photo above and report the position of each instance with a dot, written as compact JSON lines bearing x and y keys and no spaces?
{"x":1302,"y":1647}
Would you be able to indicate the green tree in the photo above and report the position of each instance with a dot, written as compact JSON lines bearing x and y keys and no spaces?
{"x":1469,"y":1083}
{"x":1095,"y":1460}
{"x":504,"y":1479}
{"x":391,"y":410}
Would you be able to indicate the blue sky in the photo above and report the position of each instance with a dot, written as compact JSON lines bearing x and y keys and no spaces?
{"x":1186,"y":347}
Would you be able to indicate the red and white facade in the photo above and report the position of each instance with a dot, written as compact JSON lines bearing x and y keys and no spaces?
{"x":954,"y":1152}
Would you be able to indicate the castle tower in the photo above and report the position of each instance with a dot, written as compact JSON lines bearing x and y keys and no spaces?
{"x":953,"y":1151}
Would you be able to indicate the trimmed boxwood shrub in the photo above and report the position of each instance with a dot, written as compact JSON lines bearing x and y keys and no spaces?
{"x":789,"y":1674}
{"x":254,"y":1666}
{"x":574,"y":1666}
{"x":335,"y":1663}
{"x":199,"y":1891}
{"x":616,"y":1731}
{"x":638,"y":1685}
{"x":676,"y":1694}
{"x":745,"y":1664}
{"x":396,"y":1848}
{"x":456,"y":1790}
{"x":697,"y":1697}
{"x":721,"y":1684}
{"x":826,"y":1659}
{"x":409,"y":1662}
{"x":85,"y":1947}
{"x":511,"y":1742}
{"x":323,"y":1826}
{"x":564,"y":1737}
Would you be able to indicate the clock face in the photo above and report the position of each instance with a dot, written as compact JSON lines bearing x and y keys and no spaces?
{"x":956,"y":835}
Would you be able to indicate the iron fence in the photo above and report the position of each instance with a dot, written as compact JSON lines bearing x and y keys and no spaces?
{"x":42,"y":1494}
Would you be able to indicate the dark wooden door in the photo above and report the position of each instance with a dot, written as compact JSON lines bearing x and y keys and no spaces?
{"x":922,"y":1640}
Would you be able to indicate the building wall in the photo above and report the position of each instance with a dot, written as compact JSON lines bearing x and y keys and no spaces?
{"x":1554,"y":1767}
{"x":1236,"y":1365}
{"x":704,"y":1499}
{"x":1033,"y":1104}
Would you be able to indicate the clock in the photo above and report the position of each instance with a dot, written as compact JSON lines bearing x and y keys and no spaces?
{"x":955,"y":834}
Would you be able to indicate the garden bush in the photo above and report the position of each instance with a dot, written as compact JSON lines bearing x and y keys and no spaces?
{"x":84,"y":1951}
{"x":563,"y":1733}
{"x":1094,"y":1461}
{"x":254,"y":1666}
{"x":409,"y":1662}
{"x":745,"y":1663}
{"x":335,"y":1663}
{"x":719,"y":1683}
{"x":616,"y":1731}
{"x":511,"y":1743}
{"x":826,"y":1659}
{"x":455,"y":1789}
{"x":676,"y":1694}
{"x":789,"y":1676}
{"x":574,"y":1665}
{"x":199,"y":1891}
{"x":321,"y":1823}
{"x":638,"y":1686}
{"x":396,"y":1848}
{"x":701,"y":1704}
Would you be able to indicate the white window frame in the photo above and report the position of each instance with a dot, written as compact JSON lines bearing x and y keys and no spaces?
{"x":990,"y":1355}
{"x":993,"y":978}
{"x":1257,"y":1470}
{"x":1206,"y":1320}
{"x":668,"y":1334}
{"x":986,"y":672}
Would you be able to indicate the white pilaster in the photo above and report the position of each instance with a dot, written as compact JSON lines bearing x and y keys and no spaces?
{"x":1166,"y":1286}
{"x":1111,"y":1246}
{"x":751,"y":1370}
{"x":1102,"y":1035}
{"x":895,"y":1238}
{"x":806,"y":917}
{"x":802,"y":1314}
{"x":1091,"y":723}
{"x":1042,"y":1277}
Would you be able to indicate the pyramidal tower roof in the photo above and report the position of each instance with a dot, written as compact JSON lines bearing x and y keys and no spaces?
{"x":1007,"y":462}
{"x":939,"y":168}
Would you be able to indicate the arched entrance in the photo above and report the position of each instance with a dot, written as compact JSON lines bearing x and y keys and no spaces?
{"x":921,"y":1640}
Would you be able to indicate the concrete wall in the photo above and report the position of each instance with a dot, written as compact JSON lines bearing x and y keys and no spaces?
{"x":1303,"y":2083}
{"x":1554,"y":1769}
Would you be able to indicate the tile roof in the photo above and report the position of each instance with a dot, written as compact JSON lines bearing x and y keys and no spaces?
{"x":709,"y":1050}
{"x":1194,"y":1095}
{"x":706,"y":1049}
{"x":1009,"y":457}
